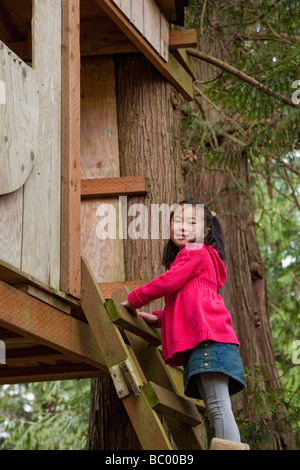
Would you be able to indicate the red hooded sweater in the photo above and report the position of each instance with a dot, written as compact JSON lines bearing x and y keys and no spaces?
{"x":194,"y":311}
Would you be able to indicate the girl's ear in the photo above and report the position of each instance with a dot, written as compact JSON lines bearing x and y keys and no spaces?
{"x":206,"y":231}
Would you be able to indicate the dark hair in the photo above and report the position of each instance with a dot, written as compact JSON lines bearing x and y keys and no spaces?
{"x":215,"y":237}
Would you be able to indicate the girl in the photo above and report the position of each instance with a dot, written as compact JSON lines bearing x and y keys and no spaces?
{"x":196,"y":328}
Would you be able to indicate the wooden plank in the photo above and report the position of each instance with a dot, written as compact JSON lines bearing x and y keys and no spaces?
{"x":166,"y":401}
{"x":44,"y":297}
{"x":145,"y":420}
{"x":41,"y":212}
{"x":151,"y":361}
{"x":147,"y":19}
{"x":19,"y":121}
{"x":224,"y":444}
{"x":106,"y":334}
{"x":155,"y":370}
{"x":70,"y":150}
{"x":152,"y":19}
{"x":118,"y":186}
{"x":183,"y":38}
{"x":120,"y":316}
{"x":14,"y":276}
{"x":49,"y":373}
{"x":32,"y":356}
{"x":164,"y":38}
{"x":100,"y":159}
{"x":176,"y":375}
{"x":125,"y":6}
{"x":137,"y":15}
{"x":172,"y":70}
{"x":26,"y":315}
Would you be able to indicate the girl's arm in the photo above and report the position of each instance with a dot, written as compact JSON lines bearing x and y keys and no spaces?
{"x":187,"y":266}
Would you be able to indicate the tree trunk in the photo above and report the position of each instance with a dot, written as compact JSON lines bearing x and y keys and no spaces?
{"x":149,"y":145}
{"x":227,"y":193}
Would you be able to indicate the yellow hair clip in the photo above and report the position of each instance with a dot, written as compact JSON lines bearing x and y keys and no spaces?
{"x":213,"y":213}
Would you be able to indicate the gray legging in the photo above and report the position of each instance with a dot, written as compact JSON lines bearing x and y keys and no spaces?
{"x":213,"y":387}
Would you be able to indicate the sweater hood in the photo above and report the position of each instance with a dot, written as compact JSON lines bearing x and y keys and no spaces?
{"x":218,"y":264}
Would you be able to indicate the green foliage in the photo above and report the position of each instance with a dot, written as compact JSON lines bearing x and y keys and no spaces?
{"x":44,"y":416}
{"x":263,"y":404}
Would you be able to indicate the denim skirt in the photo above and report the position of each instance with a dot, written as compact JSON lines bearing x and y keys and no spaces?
{"x":212,"y":356}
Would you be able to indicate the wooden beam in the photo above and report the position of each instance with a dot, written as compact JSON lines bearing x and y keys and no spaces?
{"x":182,"y":38}
{"x":70,"y":180}
{"x":16,"y":277}
{"x":28,"y":316}
{"x":172,"y":70}
{"x":44,"y":297}
{"x":144,"y":420}
{"x":152,"y":363}
{"x":120,"y":316}
{"x":118,"y":186}
{"x":49,"y":373}
{"x":185,"y":60}
{"x":168,"y":402}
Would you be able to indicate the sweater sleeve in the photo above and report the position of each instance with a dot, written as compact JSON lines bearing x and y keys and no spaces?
{"x":160,"y":314}
{"x":187,"y":266}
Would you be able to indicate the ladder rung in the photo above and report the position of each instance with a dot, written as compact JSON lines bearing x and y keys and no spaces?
{"x":120,"y":316}
{"x":168,"y":402}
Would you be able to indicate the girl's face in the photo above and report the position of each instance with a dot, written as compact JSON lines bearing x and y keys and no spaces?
{"x":187,"y":225}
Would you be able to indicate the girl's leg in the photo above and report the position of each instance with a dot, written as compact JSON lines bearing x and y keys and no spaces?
{"x":213,"y":387}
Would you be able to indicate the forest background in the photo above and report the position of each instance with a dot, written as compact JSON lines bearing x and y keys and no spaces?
{"x":255,"y":90}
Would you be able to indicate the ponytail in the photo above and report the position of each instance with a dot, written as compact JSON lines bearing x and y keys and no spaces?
{"x":215,"y":237}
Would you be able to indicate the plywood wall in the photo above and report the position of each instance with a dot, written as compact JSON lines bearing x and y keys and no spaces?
{"x":30,"y":213}
{"x":149,"y":21}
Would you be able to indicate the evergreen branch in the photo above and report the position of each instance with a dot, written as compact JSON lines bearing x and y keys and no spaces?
{"x":292,"y":188}
{"x":237,"y":126}
{"x":290,"y":167}
{"x":261,"y":36}
{"x":260,"y":17}
{"x":241,"y":76}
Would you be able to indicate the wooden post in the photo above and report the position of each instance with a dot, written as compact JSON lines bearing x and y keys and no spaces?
{"x":70,"y":166}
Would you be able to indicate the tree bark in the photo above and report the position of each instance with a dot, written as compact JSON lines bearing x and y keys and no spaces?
{"x":149,"y":145}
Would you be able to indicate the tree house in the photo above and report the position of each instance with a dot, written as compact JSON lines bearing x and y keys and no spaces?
{"x":59,"y":159}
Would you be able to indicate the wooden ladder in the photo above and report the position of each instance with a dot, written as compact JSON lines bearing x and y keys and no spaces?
{"x":130,"y":349}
